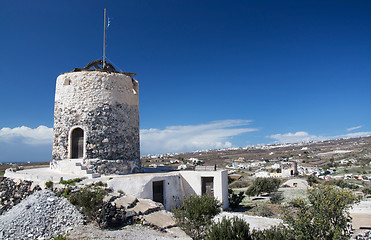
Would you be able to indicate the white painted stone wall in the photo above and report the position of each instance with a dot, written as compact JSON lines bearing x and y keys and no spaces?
{"x":105,"y":106}
{"x":192,"y":183}
{"x":177,"y":185}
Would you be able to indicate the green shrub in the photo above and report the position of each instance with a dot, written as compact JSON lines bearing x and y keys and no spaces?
{"x":273,"y":233}
{"x":263,"y":185}
{"x":89,"y":201}
{"x":276,"y":197}
{"x":70,"y":181}
{"x":325,"y":216}
{"x":61,"y":237}
{"x":238,"y":184}
{"x":366,"y":190}
{"x":231,"y":180}
{"x":66,"y":192}
{"x":312,"y":180}
{"x":195,"y":215}
{"x":229,"y":229}
{"x":235,"y":199}
{"x":341,"y":183}
{"x":263,"y":210}
{"x":100,"y":184}
{"x":49,"y":184}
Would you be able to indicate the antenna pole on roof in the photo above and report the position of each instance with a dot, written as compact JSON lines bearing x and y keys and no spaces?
{"x":104,"y":40}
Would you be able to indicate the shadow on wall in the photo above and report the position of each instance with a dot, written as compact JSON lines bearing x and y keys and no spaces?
{"x":187,"y":189}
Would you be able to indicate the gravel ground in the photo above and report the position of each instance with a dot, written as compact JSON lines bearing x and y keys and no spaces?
{"x":137,"y":232}
{"x":40,"y":215}
{"x":254,"y":221}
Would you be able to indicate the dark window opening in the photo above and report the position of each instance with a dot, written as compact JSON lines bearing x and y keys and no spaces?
{"x":158,"y":191}
{"x":207,"y":185}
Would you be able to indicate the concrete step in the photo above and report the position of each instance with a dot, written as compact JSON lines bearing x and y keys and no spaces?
{"x":146,"y":206}
{"x":162,"y":219}
{"x":93,"y":175}
{"x":127,"y":201}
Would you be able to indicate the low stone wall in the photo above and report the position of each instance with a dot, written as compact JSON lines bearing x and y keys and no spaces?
{"x":114,"y":167}
{"x":13,"y":192}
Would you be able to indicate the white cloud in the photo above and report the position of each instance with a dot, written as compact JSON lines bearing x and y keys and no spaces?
{"x":192,"y":137}
{"x":354,"y":128}
{"x":306,"y":137}
{"x":295,"y":137}
{"x":33,"y":136}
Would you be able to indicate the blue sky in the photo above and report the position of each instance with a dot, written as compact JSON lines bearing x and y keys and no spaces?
{"x":212,"y":73}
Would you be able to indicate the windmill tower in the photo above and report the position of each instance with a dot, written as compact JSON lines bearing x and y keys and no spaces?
{"x":96,"y":120}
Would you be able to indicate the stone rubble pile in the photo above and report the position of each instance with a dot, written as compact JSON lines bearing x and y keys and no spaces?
{"x":13,"y":192}
{"x":366,"y":235}
{"x":41,"y":215}
{"x":111,"y":216}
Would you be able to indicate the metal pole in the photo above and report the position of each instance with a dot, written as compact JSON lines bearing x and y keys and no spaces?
{"x":104,"y":41}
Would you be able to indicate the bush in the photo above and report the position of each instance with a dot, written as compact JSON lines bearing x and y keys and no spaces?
{"x":195,"y":215}
{"x":235,"y":199}
{"x":341,"y":183}
{"x":70,"y":181}
{"x":263,"y":185}
{"x":312,"y":180}
{"x":263,"y":211}
{"x":366,"y":190}
{"x":325,"y":216}
{"x":229,"y":229}
{"x":60,"y":237}
{"x":49,"y":184}
{"x":89,"y":201}
{"x":238,"y":184}
{"x":279,"y":232}
{"x":276,"y":197}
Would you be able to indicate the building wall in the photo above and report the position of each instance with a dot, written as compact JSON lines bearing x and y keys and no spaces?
{"x":177,"y":185}
{"x":106,"y":106}
{"x":193,"y":185}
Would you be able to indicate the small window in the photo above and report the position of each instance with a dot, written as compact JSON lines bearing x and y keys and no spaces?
{"x":207,"y":185}
{"x":67,"y":81}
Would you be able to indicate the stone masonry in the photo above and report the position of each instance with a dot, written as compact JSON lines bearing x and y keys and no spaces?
{"x":105,"y":105}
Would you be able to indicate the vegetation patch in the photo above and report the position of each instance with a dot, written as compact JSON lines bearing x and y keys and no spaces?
{"x":195,"y":215}
{"x":70,"y":181}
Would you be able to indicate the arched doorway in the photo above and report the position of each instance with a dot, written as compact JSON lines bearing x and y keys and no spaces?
{"x":77,"y":143}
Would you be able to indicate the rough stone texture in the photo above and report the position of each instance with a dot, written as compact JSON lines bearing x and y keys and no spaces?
{"x":40,"y":215}
{"x":13,"y":192}
{"x":111,"y":216}
{"x":365,"y":235}
{"x":106,"y":106}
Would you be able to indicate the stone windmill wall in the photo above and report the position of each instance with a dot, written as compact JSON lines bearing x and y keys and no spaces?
{"x":96,"y":122}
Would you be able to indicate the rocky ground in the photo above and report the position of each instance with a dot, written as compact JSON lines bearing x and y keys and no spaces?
{"x":41,"y":215}
{"x":27,"y":214}
{"x":136,"y":231}
{"x":13,"y":192}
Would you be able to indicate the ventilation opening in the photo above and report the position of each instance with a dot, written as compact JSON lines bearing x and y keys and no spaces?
{"x":67,"y":81}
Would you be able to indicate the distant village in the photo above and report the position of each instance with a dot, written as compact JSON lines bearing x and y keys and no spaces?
{"x":325,"y":160}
